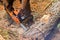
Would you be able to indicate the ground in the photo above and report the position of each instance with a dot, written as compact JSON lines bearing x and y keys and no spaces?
{"x":14,"y":31}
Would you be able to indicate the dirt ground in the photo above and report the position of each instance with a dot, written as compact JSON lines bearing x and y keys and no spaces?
{"x":15,"y":29}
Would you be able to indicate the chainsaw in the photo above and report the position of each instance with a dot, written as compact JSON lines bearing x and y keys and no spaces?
{"x":23,"y":17}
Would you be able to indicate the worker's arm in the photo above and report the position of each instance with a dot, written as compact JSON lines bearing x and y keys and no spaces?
{"x":24,"y":2}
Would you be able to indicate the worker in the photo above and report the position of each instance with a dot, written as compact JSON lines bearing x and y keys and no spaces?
{"x":25,"y":11}
{"x":10,"y":4}
{"x":25,"y":7}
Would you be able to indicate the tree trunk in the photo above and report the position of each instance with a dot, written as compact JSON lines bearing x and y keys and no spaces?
{"x":42,"y":28}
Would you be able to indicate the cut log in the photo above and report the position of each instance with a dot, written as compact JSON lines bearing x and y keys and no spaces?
{"x":41,"y":29}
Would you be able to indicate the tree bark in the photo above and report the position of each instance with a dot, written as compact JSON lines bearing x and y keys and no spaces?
{"x":41,"y":29}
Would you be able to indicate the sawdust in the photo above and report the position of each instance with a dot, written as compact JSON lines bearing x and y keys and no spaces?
{"x":1,"y":38}
{"x":1,"y":7}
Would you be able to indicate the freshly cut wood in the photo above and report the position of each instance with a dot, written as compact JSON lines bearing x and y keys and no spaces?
{"x":45,"y":18}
